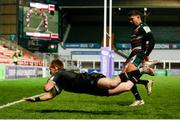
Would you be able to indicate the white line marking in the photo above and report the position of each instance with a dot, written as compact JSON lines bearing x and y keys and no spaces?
{"x":19,"y":101}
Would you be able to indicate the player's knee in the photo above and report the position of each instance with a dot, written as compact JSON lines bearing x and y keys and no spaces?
{"x":128,"y":86}
{"x":107,"y":83}
{"x":113,"y":84}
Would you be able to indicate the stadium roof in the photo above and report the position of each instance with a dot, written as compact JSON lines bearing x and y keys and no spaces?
{"x":121,"y":3}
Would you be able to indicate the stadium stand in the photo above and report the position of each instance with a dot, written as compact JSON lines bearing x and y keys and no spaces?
{"x":163,"y":34}
{"x":93,"y":34}
{"x":7,"y":50}
{"x":171,"y":55}
{"x":85,"y":34}
{"x":81,"y":34}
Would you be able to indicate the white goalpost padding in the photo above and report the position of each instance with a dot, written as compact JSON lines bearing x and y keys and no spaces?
{"x":105,"y":23}
{"x":107,"y":55}
{"x":110,"y":24}
{"x":109,"y":32}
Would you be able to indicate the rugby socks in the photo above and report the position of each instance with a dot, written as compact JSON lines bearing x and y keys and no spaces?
{"x":141,"y":81}
{"x":135,"y":92}
{"x":130,"y":76}
{"x":134,"y":89}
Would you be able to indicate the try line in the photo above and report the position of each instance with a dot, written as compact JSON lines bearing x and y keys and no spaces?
{"x":18,"y":101}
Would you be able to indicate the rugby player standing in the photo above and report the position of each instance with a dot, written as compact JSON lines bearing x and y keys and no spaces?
{"x":142,"y":43}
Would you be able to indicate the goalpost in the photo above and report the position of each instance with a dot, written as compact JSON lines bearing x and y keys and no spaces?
{"x":107,"y":54}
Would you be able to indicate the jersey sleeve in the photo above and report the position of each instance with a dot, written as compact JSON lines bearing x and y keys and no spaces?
{"x":56,"y":90}
{"x":57,"y":76}
{"x":146,"y":29}
{"x":149,"y":38}
{"x":151,"y":43}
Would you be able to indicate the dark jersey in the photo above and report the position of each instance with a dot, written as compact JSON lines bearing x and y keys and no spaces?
{"x":79,"y":82}
{"x":142,"y":40}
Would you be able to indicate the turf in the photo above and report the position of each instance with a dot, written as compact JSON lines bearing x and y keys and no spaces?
{"x":164,"y":103}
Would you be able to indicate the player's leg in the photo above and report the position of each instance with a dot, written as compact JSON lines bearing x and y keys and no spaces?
{"x":151,"y":63}
{"x":137,"y":62}
{"x":130,"y":67}
{"x":123,"y":87}
{"x":147,"y":83}
{"x":114,"y":82}
{"x":108,"y":83}
{"x":123,"y":77}
{"x":138,"y":100}
{"x":111,"y":83}
{"x":128,"y":81}
{"x":139,"y":59}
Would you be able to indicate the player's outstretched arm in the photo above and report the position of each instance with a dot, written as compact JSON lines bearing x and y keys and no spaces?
{"x":46,"y":96}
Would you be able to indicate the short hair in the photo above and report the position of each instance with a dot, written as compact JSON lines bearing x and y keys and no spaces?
{"x":57,"y":63}
{"x":134,"y":13}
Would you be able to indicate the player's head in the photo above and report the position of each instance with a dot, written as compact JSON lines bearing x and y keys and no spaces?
{"x":135,"y":17}
{"x":55,"y":66}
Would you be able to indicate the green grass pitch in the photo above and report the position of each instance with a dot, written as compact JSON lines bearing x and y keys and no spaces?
{"x":164,"y":103}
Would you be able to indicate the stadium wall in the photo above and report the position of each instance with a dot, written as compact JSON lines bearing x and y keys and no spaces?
{"x":17,"y":71}
{"x":83,"y":54}
{"x":166,"y":55}
{"x":94,"y":54}
{"x":89,"y":59}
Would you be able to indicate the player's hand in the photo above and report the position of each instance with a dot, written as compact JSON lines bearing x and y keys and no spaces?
{"x":30,"y":99}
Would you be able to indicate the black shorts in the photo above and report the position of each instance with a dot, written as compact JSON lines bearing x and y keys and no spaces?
{"x":93,"y":89}
{"x":80,"y":83}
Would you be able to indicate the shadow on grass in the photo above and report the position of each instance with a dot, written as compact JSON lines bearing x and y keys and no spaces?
{"x":124,"y":103}
{"x":90,"y":112}
{"x":81,"y":111}
{"x":120,"y":104}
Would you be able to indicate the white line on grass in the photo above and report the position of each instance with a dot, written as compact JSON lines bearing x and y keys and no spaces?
{"x":18,"y":101}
